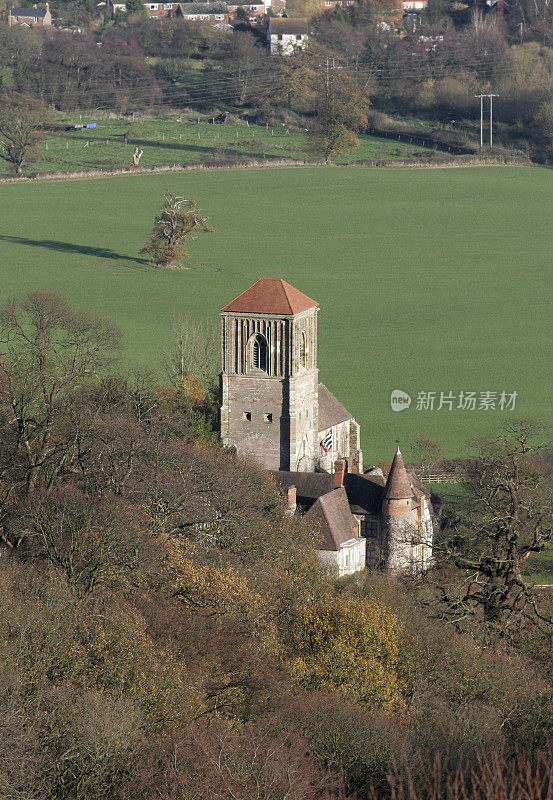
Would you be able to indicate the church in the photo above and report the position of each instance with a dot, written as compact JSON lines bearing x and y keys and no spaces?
{"x":274,"y":410}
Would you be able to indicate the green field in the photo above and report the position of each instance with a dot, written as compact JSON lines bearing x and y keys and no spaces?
{"x":165,"y":140}
{"x":428,"y":279}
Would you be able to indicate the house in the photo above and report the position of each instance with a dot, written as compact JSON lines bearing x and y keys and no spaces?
{"x":115,"y":5}
{"x":212,"y":13}
{"x":330,"y":5}
{"x":160,"y":10}
{"x":248,"y":11}
{"x":275,"y":410}
{"x":414,"y":6}
{"x":341,"y":547}
{"x":29,"y":17}
{"x":393,"y":518}
{"x":287,"y":35}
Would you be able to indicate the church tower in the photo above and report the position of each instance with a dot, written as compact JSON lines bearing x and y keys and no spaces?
{"x":269,"y":378}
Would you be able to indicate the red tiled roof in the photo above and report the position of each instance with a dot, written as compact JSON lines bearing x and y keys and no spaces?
{"x":337,"y":523}
{"x":398,"y":485}
{"x":270,"y":296}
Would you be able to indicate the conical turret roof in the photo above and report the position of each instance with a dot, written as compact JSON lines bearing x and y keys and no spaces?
{"x":271,"y":296}
{"x":398,"y":485}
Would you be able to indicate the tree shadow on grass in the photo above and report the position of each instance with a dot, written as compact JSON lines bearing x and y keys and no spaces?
{"x":69,"y":247}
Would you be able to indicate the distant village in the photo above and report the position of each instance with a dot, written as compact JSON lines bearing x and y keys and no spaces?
{"x":285,"y":35}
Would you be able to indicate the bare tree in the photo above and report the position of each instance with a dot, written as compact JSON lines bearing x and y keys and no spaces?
{"x":508,"y":516}
{"x":48,"y":355}
{"x":191,"y":350}
{"x":23,"y":126}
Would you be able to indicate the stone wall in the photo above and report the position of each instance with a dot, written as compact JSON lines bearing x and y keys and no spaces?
{"x":255,"y":419}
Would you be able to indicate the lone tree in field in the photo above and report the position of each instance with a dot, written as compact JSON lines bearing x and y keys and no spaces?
{"x":23,"y":127}
{"x":178,"y":223}
{"x":510,"y":516}
{"x":341,"y":113}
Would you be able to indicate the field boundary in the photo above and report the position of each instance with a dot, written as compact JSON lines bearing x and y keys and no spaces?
{"x":253,"y":163}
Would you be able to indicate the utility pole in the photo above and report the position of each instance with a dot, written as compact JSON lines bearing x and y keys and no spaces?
{"x":491,"y":97}
{"x":481,"y":96}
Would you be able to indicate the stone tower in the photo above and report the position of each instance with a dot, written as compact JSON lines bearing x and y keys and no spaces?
{"x":269,"y":378}
{"x":399,"y":518}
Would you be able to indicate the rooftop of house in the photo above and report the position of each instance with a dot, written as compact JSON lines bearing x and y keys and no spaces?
{"x":337,"y":523}
{"x":291,"y":25}
{"x":28,"y":12}
{"x":203,"y":8}
{"x":270,"y":295}
{"x":331,"y":411}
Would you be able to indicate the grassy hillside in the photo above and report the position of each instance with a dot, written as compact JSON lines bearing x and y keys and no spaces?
{"x":169,"y":141}
{"x":428,"y":280}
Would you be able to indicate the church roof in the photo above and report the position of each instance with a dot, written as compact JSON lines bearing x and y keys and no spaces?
{"x":337,"y":523}
{"x":398,"y":485}
{"x":309,"y":485}
{"x":364,"y":491}
{"x":271,"y":296}
{"x":331,"y":411}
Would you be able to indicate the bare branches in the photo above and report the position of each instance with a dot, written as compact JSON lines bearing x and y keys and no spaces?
{"x":191,"y":351}
{"x":23,"y":123}
{"x":510,"y":516}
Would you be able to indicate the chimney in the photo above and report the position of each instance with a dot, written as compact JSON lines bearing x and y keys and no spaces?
{"x":291,"y":496}
{"x":340,"y":469}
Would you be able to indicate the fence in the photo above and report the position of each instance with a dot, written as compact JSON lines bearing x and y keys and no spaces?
{"x":440,"y":478}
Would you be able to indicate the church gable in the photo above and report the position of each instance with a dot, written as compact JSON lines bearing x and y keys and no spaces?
{"x":331,"y":411}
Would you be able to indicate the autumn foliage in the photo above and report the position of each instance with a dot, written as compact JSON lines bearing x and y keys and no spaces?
{"x":166,"y":630}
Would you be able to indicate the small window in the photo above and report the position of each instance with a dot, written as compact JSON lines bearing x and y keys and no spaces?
{"x":346,"y":560}
{"x":153,"y":6}
{"x":268,"y":417}
{"x":204,"y":16}
{"x":219,"y":16}
{"x":280,"y":37}
{"x":168,"y":6}
{"x":298,"y":35}
{"x":247,"y":415}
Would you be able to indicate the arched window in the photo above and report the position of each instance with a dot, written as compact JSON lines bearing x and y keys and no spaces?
{"x":259,"y":353}
{"x":303,"y":351}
